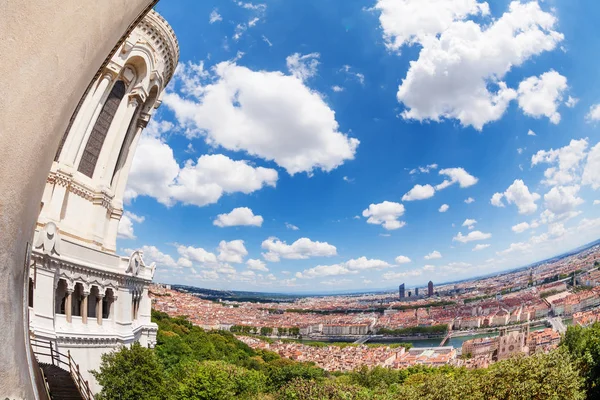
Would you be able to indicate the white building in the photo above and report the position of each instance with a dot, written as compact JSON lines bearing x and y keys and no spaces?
{"x":83,"y":297}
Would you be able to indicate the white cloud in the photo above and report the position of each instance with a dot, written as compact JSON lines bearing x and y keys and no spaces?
{"x":591,"y":171}
{"x":257,"y":265}
{"x":459,"y":71}
{"x":266,"y":114}
{"x":531,"y":133}
{"x":355,"y":75}
{"x":402,"y":260}
{"x":301,"y":249}
{"x":443,"y":208}
{"x":385,"y":214}
{"x":337,"y":89}
{"x":520,"y":150}
{"x":472,"y":236}
{"x":155,"y":173}
{"x":215,"y":16}
{"x":154,"y":255}
{"x":456,"y":175}
{"x":571,"y":102}
{"x":568,"y":158}
{"x":594,"y":113}
{"x":303,"y":66}
{"x":469,"y":200}
{"x":349,"y":267}
{"x":480,"y":247}
{"x":267,"y":41}
{"x":519,"y":228}
{"x":469,"y":223}
{"x":291,"y":226}
{"x":518,"y":194}
{"x":241,"y":216}
{"x":196,"y":255}
{"x":125,"y":228}
{"x":433,"y":255}
{"x":562,"y":199}
{"x":419,"y":192}
{"x":541,"y":96}
{"x":424,"y":170}
{"x":412,"y":21}
{"x":596,"y":202}
{"x":233,"y":251}
{"x":349,"y":180}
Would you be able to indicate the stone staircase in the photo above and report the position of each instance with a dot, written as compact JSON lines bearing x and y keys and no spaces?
{"x":60,"y":383}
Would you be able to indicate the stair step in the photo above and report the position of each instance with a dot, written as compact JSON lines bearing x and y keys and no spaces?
{"x":60,"y":382}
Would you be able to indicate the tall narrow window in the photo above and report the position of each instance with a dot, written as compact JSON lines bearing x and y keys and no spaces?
{"x":87,"y":165}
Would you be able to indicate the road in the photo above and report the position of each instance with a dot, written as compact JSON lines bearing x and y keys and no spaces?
{"x":557,"y":324}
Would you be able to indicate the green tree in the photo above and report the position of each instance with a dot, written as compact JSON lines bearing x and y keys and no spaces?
{"x":212,"y":380}
{"x":584,"y":346}
{"x":300,"y":389}
{"x":131,"y":374}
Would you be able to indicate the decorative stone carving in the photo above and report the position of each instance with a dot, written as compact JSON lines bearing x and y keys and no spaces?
{"x":49,"y":240}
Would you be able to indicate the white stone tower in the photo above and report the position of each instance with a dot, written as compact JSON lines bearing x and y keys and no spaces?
{"x":83,"y":297}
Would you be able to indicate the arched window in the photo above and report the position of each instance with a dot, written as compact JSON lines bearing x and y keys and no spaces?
{"x":60,"y":297}
{"x":87,"y":165}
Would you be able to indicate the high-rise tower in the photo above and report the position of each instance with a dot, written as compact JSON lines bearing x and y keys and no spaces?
{"x":401,"y":291}
{"x":430,"y":289}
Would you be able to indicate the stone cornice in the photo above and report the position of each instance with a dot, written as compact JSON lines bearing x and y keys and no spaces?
{"x":103,"y":197}
{"x":158,"y":31}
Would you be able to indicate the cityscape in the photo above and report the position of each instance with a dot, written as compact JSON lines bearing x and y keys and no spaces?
{"x":471,"y":323}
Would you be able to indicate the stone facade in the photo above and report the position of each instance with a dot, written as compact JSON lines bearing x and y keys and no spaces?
{"x":83,"y":297}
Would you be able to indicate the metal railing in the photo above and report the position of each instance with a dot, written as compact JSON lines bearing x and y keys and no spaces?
{"x":63,"y":361}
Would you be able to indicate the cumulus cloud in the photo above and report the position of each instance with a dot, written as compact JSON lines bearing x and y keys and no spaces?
{"x":596,"y":202}
{"x":591,"y":171}
{"x":268,"y":115}
{"x":151,"y":254}
{"x":241,"y":216}
{"x":472,"y":236}
{"x":522,"y":227}
{"x":531,"y":133}
{"x":565,"y":161}
{"x":301,"y":249}
{"x":459,"y":71}
{"x":413,"y":21}
{"x":562,"y":199}
{"x":594,"y":114}
{"x":479,"y":247}
{"x":385,"y":214}
{"x":469,"y":200}
{"x":443,"y":208}
{"x":419,"y":192}
{"x":402,"y":260}
{"x":571,"y":102}
{"x":353,"y":266}
{"x":456,"y":175}
{"x":156,"y":173}
{"x":541,"y":96}
{"x":469,"y":223}
{"x":303,"y":66}
{"x":433,"y":255}
{"x":257,"y":265}
{"x":519,"y":195}
{"x":233,"y":251}
{"x":125,"y":229}
{"x":394,"y":276}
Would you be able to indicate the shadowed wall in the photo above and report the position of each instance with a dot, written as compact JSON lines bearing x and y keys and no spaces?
{"x":50,"y":51}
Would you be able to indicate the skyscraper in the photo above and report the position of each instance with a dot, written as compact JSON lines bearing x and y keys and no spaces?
{"x":401,"y":291}
{"x":430,"y":289}
{"x":417,"y":292}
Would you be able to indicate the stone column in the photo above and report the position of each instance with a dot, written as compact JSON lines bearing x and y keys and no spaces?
{"x":69,"y":304}
{"x":99,"y":304}
{"x":84,"y":122}
{"x":84,"y":307}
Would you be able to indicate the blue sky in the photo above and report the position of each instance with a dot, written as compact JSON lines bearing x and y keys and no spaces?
{"x":313,"y":145}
